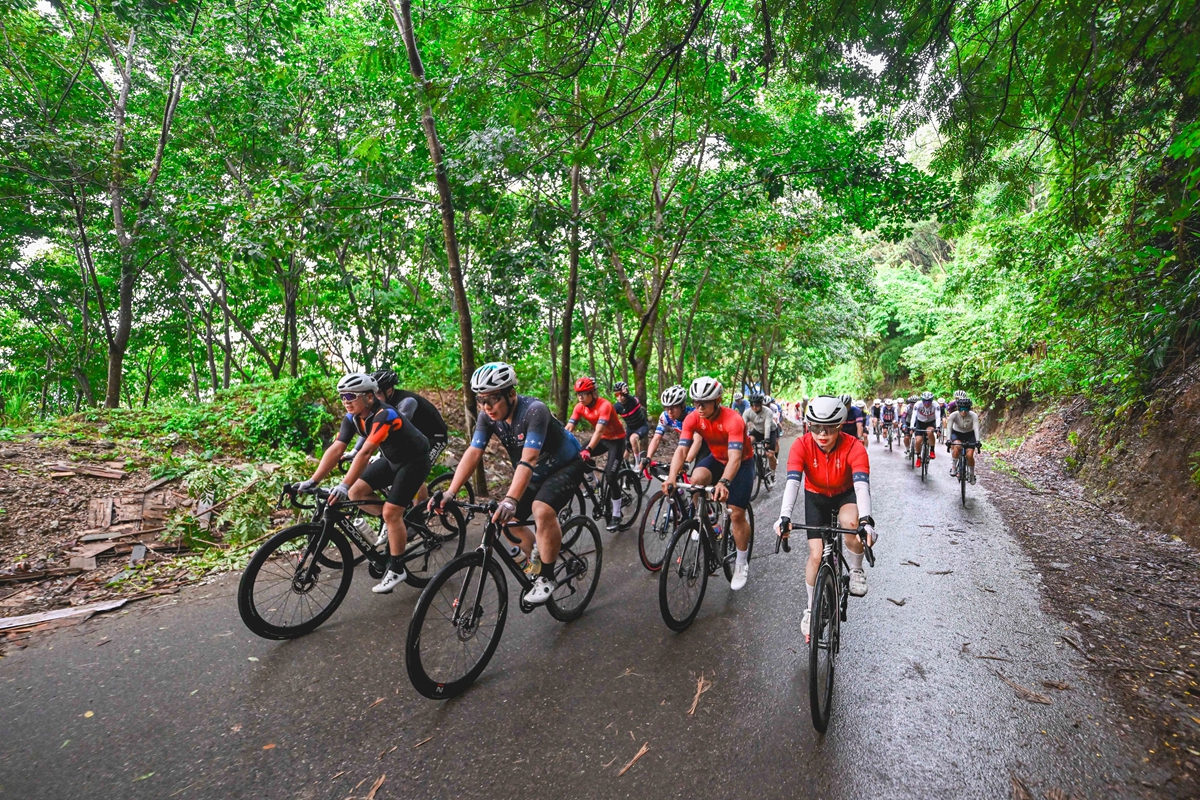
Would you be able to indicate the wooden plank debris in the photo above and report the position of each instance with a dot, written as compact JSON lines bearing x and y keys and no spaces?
{"x":45,"y":616}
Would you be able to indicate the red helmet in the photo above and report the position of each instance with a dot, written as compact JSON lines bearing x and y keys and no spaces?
{"x":585,"y":384}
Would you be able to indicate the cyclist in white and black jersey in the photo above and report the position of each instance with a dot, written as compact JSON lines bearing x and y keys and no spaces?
{"x":761,"y":426}
{"x":924,"y":420}
{"x":964,"y":429}
{"x":675,"y":408}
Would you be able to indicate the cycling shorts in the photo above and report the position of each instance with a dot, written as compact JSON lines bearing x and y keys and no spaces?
{"x":437,"y":443}
{"x":772,"y":440}
{"x":643,"y":433}
{"x":923,"y":425}
{"x":616,"y":456}
{"x":821,"y":510}
{"x":742,"y":485}
{"x":966,"y":437}
{"x":555,"y":491}
{"x":404,"y":481}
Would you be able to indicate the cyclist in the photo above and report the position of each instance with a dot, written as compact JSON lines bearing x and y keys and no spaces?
{"x":547,"y":468}
{"x":925,"y":420}
{"x":739,"y":403}
{"x":905,"y":413}
{"x":633,"y":416}
{"x":854,"y":419}
{"x":608,"y":436}
{"x":724,"y":431}
{"x":887,"y":416}
{"x":773,"y":406}
{"x":964,"y":429}
{"x":876,"y":411}
{"x":401,"y":471}
{"x":674,"y":411}
{"x":959,"y":394}
{"x":836,"y":473}
{"x":761,"y":426}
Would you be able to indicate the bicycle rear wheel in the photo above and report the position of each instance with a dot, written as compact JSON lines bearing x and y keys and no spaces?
{"x":729,"y":545}
{"x":294,"y":582}
{"x":961,"y":462}
{"x":822,"y":649}
{"x":924,"y":459}
{"x":456,"y":627}
{"x":579,"y":565}
{"x":658,"y":523}
{"x":684,"y":577}
{"x":432,"y":544}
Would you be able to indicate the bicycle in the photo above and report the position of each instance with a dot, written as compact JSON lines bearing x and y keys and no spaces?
{"x":830,"y":597}
{"x":889,"y":431}
{"x":698,"y":548}
{"x":912,"y":453}
{"x":448,"y":649}
{"x":876,"y":426}
{"x":299,"y":576}
{"x":600,"y":494}
{"x":664,"y":513}
{"x":764,"y":475}
{"x":961,"y":466}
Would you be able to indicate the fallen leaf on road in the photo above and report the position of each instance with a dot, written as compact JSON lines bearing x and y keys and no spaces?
{"x":268,"y":747}
{"x":377,"y":702}
{"x":89,"y":714}
{"x":899,"y":602}
{"x":423,"y":741}
{"x":1019,"y":790}
{"x":1025,"y":694}
{"x":1062,"y":686}
{"x":340,"y":774}
{"x":375,"y":787}
{"x":360,"y":783}
{"x":64,"y":744}
{"x":987,"y":589}
{"x":629,"y":671}
{"x":142,"y":777}
{"x":640,"y":753}
{"x":926,"y":526}
{"x":385,"y":752}
{"x":252,"y":658}
{"x":995,"y":658}
{"x":609,"y":764}
{"x":702,"y":686}
{"x":939,"y":572}
{"x":1059,"y":794}
{"x":909,"y":563}
{"x":236,"y":728}
{"x":956,"y":530}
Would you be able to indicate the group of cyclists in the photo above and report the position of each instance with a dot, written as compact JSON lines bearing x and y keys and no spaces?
{"x":829,"y":460}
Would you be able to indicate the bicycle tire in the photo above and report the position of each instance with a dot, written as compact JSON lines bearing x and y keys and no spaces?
{"x":427,"y":669}
{"x":421,"y":560}
{"x":630,"y":486}
{"x":729,"y":555}
{"x":288,"y":591}
{"x":661,"y":517}
{"x":584,"y":558}
{"x":684,"y":577}
{"x":962,"y":476}
{"x":822,"y":649}
{"x":924,"y":458}
{"x":465,"y":494}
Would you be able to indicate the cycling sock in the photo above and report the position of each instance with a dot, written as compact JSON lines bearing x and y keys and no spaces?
{"x":854,"y":559}
{"x":616,"y":507}
{"x":396,"y":564}
{"x":547,"y":571}
{"x":743,"y":557}
{"x":811,"y":591}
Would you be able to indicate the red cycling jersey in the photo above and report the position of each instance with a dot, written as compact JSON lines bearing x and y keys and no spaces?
{"x":726,"y":432}
{"x":600,"y":411}
{"x":831,"y":473}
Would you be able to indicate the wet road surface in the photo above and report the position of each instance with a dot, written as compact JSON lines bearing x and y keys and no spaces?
{"x":186,"y":703}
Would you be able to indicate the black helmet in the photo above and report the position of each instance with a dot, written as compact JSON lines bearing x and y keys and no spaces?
{"x":386,"y":379}
{"x":964,"y":404}
{"x":620,"y":387}
{"x":756,"y":399}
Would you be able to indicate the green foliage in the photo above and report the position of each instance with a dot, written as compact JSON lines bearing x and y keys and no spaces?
{"x":293,"y":419}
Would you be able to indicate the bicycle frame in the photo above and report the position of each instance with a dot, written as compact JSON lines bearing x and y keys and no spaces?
{"x":834,"y":560}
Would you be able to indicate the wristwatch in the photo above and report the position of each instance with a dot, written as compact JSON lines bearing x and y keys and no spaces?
{"x":725,"y":482}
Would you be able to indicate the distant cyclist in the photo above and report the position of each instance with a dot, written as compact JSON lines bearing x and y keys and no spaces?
{"x":964,"y":429}
{"x":608,"y":436}
{"x":887,"y":416}
{"x":924,"y":420}
{"x":675,"y":410}
{"x":854,"y":421}
{"x":761,"y":427}
{"x":633,"y":416}
{"x":546,"y":466}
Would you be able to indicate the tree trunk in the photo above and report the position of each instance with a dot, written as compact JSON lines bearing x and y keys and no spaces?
{"x":564,"y":386}
{"x":403,"y":18}
{"x":191,"y":346}
{"x":208,"y":343}
{"x":687,"y":331}
{"x":553,"y":359}
{"x":228,"y":345}
{"x":120,"y":340}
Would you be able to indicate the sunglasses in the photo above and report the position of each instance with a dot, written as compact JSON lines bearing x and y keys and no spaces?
{"x":350,"y":397}
{"x":489,"y":400}
{"x":825,"y":430}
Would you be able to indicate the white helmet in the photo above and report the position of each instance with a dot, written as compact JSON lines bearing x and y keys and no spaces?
{"x":825,"y":410}
{"x":846,"y":399}
{"x":738,"y":396}
{"x":673,"y":396}
{"x":877,"y":402}
{"x":959,"y":394}
{"x":357,"y":382}
{"x":941,"y":401}
{"x":705,"y":388}
{"x":927,"y":397}
{"x":889,"y":402}
{"x":493,"y":377}
{"x":861,"y":404}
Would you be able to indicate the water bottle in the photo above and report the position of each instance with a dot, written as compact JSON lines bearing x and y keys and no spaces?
{"x":590,"y":477}
{"x":534,"y":567}
{"x":518,"y":555}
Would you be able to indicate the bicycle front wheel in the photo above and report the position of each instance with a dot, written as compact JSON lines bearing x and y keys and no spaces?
{"x":729,"y":547}
{"x":962,"y":478}
{"x":456,"y":626}
{"x":630,"y":487}
{"x":684,"y":577}
{"x":432,"y":544}
{"x":658,"y":523}
{"x":822,"y":649}
{"x":577,"y":570}
{"x":294,"y":582}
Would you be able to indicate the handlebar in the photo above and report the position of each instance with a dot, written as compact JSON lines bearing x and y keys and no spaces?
{"x":861,"y":533}
{"x":291,"y":492}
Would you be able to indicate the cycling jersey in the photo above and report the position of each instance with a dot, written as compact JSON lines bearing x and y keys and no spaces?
{"x":425,"y":417}
{"x":964,"y":422}
{"x":726,"y":432}
{"x":889,"y":414}
{"x":855,"y":416}
{"x":876,"y":411}
{"x":762,"y":421}
{"x":398,"y":441}
{"x":600,"y":412}
{"x":632,"y":412}
{"x":925,"y":413}
{"x":666,"y":421}
{"x":532,"y":426}
{"x":830,"y":473}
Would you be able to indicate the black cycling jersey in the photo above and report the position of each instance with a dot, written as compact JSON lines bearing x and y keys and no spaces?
{"x":426,"y":416}
{"x":532,"y":426}
{"x":632,"y":412}
{"x":399,"y":442}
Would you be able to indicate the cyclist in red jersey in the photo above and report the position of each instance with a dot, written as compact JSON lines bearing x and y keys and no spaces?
{"x":608,"y":436}
{"x":837,"y":480}
{"x":724,"y":431}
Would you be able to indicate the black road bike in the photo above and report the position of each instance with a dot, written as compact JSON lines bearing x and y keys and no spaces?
{"x":889,"y":432}
{"x":961,"y":466}
{"x":600,"y":494}
{"x":664,"y":513}
{"x":459,"y":619}
{"x":299,"y":576}
{"x":764,"y":476}
{"x":923,"y":454}
{"x":828,"y":612}
{"x":699,"y":547}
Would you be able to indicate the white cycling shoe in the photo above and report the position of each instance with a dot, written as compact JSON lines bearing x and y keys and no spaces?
{"x":383,"y":538}
{"x":741,"y":574}
{"x":540,"y":592}
{"x":390,"y":581}
{"x":804,"y":622}
{"x":858,"y":583}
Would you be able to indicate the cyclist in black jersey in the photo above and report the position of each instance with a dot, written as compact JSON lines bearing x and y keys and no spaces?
{"x":547,"y":469}
{"x":401,"y":471}
{"x":633,"y":415}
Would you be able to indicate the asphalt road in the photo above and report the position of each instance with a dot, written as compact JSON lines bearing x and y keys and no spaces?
{"x":181,"y":701}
